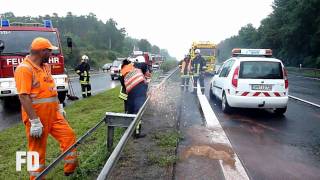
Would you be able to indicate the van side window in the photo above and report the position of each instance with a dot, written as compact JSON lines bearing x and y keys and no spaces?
{"x":226,"y":68}
{"x":223,"y":69}
{"x":229,"y":67}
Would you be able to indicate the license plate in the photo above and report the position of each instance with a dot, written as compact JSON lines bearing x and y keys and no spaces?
{"x":261,"y":87}
{"x":6,"y":92}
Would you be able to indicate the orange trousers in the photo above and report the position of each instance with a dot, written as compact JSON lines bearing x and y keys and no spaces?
{"x":55,"y":125}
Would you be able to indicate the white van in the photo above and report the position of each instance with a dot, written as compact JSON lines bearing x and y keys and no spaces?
{"x":251,"y":79}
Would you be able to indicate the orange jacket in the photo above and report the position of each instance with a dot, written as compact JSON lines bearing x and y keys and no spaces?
{"x":37,"y":82}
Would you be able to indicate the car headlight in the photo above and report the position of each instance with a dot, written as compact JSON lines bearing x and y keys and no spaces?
{"x":4,"y":84}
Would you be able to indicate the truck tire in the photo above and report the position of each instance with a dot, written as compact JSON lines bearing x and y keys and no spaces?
{"x":112,"y":78}
{"x":62,"y":96}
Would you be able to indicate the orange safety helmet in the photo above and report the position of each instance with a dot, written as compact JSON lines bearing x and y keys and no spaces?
{"x":40,"y":43}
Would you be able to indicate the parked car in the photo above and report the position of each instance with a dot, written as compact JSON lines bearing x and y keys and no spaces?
{"x":251,"y":79}
{"x":106,"y":67}
{"x":115,"y":69}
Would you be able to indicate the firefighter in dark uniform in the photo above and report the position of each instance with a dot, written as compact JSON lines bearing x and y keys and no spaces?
{"x":135,"y":85}
{"x":185,"y":73}
{"x":198,"y":66}
{"x":83,"y":71}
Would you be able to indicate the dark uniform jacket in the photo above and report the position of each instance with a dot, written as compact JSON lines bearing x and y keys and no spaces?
{"x":83,"y":71}
{"x":198,"y":65}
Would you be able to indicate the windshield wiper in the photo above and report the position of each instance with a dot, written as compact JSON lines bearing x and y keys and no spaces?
{"x":15,"y":53}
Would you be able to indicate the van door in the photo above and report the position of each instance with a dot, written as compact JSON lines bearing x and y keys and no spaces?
{"x":261,"y":78}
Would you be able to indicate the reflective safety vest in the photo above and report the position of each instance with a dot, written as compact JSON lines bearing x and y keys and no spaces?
{"x":39,"y":84}
{"x":42,"y":83}
{"x":185,"y":69}
{"x":123,"y":95}
{"x":133,"y":78}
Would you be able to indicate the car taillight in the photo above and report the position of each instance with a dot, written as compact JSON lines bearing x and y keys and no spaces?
{"x":235,"y":77}
{"x":285,"y":76}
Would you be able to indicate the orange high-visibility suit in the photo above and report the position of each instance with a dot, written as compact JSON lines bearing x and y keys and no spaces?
{"x":38,"y":83}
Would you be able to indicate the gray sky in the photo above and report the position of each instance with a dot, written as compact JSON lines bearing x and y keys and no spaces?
{"x":170,"y":24}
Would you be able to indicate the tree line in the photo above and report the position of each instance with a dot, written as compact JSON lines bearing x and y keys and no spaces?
{"x":292,"y":31}
{"x":101,"y":41}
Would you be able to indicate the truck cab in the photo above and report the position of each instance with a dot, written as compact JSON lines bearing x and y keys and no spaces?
{"x":15,"y":39}
{"x":207,"y":51}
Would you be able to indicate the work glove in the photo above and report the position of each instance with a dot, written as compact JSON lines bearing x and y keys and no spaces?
{"x":36,"y":128}
{"x":62,"y":111}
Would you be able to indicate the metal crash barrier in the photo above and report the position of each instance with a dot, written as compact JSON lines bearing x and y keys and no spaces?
{"x":111,"y":120}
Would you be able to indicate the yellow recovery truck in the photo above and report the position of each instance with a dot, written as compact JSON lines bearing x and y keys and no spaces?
{"x":207,"y":51}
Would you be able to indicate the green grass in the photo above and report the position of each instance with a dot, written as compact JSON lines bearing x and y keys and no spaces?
{"x":168,"y":65}
{"x":304,"y":72}
{"x":162,"y":160}
{"x":82,"y":115}
{"x":167,"y":142}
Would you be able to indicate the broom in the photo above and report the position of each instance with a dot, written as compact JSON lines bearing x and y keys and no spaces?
{"x":71,"y":95}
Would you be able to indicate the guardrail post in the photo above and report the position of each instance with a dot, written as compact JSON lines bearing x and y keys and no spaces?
{"x":113,"y":120}
{"x":110,"y":134}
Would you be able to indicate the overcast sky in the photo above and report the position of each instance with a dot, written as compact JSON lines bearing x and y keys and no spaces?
{"x":170,"y":24}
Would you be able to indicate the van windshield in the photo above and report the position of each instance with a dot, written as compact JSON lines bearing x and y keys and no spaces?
{"x":260,"y":70}
{"x":20,"y":41}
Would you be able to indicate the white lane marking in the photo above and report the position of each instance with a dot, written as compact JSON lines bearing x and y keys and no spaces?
{"x":219,"y":136}
{"x":305,"y":101}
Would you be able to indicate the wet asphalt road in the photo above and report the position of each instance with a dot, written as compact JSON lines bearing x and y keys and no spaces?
{"x":272,"y":147}
{"x":304,"y":88}
{"x":10,"y":116}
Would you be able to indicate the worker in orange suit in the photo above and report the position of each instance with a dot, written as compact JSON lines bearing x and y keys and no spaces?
{"x":41,"y":112}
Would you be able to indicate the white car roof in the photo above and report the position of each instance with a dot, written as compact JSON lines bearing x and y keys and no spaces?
{"x":256,"y":59}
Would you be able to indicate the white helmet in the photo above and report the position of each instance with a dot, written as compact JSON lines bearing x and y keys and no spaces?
{"x":140,"y":59}
{"x":84,"y":57}
{"x":197,"y":51}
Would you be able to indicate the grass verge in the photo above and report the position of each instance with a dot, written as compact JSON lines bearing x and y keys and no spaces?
{"x":82,"y":115}
{"x":168,"y":142}
{"x":304,"y":72}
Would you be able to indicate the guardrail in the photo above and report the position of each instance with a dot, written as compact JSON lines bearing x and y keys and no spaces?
{"x":126,"y":120}
{"x":114,"y":157}
{"x":307,"y":72}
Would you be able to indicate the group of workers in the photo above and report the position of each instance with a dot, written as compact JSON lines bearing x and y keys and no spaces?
{"x":193,"y":69}
{"x":42,"y":113}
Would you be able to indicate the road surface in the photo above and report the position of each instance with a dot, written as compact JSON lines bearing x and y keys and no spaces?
{"x":272,"y":147}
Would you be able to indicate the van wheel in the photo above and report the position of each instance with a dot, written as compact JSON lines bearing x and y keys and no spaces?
{"x":280,"y":111}
{"x":224,"y":104}
{"x":212,"y":96}
{"x":112,"y":78}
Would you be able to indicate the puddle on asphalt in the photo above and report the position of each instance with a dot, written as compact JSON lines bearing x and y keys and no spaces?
{"x":212,"y":151}
{"x":208,"y":143}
